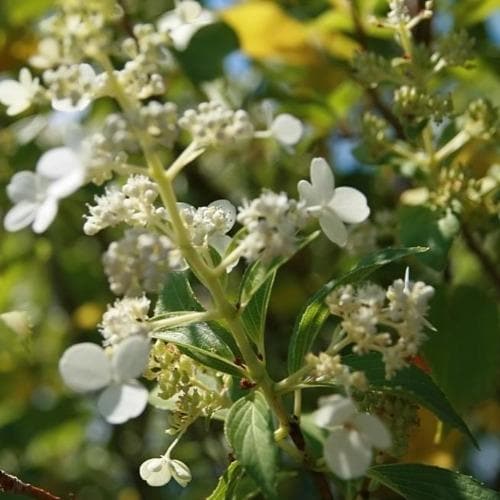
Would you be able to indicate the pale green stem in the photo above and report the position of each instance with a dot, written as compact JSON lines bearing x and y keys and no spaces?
{"x":263,"y":134}
{"x":184,"y":319}
{"x":405,"y":39}
{"x":453,"y":145}
{"x":428,"y":146}
{"x":297,"y":403}
{"x":228,"y":260}
{"x":205,"y":274}
{"x":185,"y":158}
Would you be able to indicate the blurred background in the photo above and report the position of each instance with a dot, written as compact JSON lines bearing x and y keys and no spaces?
{"x":296,"y":54}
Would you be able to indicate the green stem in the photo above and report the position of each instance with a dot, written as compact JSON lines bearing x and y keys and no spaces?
{"x":183,"y":319}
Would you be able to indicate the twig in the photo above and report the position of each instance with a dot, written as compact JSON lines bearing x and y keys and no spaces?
{"x":423,"y":31}
{"x":377,"y":101}
{"x":488,"y":265}
{"x":126,"y":22}
{"x":11,"y":484}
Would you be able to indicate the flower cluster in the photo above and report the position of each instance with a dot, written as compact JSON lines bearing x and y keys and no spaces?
{"x":391,"y":322}
{"x":328,"y":368}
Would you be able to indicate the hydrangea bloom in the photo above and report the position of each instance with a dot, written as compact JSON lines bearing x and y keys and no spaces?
{"x":333,"y":206}
{"x":159,"y":471}
{"x":348,"y":448}
{"x":87,"y":367}
{"x":59,"y":173}
{"x":18,"y":95}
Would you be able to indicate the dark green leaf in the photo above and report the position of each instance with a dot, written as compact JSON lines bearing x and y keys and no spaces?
{"x":412,"y":382}
{"x":426,"y":482}
{"x":227,"y":482}
{"x":315,"y":312}
{"x":419,"y":226}
{"x":249,"y":431}
{"x":203,"y":59}
{"x":466,"y":344}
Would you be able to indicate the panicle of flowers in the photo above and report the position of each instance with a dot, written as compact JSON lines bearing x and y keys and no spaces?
{"x":412,"y":103}
{"x":195,"y":390}
{"x":159,"y":120}
{"x":399,"y":15}
{"x":328,"y":368}
{"x":133,"y":204}
{"x":125,"y":318}
{"x":480,"y":119}
{"x":272,"y":221}
{"x":391,"y":322}
{"x":453,"y":49}
{"x":140,"y":261}
{"x":211,"y":124}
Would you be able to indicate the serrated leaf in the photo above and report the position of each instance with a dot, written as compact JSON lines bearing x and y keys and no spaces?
{"x":412,"y":382}
{"x":257,"y":273}
{"x":419,"y":226}
{"x":254,"y":314}
{"x":227,"y":482}
{"x":466,"y":343}
{"x":249,"y":431}
{"x":426,"y":482}
{"x":315,"y":312}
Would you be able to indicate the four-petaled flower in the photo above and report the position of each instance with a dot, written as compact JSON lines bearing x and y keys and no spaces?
{"x":59,"y":173}
{"x":159,"y":471}
{"x":333,"y":206}
{"x":348,"y":448}
{"x":88,"y":367}
{"x":18,"y":95}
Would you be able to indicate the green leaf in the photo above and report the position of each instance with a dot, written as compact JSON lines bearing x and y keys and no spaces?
{"x":254,"y":314}
{"x":426,"y":482}
{"x":249,"y":431}
{"x":257,"y":273}
{"x":207,"y":342}
{"x":419,"y":226}
{"x":204,"y":57}
{"x":227,"y":482}
{"x":411,"y":382}
{"x":315,"y":312}
{"x":465,"y":345}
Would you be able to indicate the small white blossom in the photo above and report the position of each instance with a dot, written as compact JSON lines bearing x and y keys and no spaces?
{"x":213,"y":124}
{"x":333,"y":206}
{"x":272,"y":221}
{"x":87,"y":367}
{"x":159,"y":471}
{"x":287,"y":129}
{"x":19,"y":95}
{"x":348,"y":448}
{"x":125,"y":318}
{"x":184,"y":21}
{"x":140,"y":261}
{"x":59,"y":173}
{"x":208,"y":225}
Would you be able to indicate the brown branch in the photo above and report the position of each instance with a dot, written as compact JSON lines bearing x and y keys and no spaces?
{"x":11,"y":484}
{"x":490,"y":268}
{"x":423,"y":31}
{"x":377,"y":101}
{"x":126,"y":21}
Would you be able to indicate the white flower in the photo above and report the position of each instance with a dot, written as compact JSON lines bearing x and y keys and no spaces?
{"x":332,"y":206}
{"x":87,"y":367}
{"x":287,"y":129}
{"x":348,"y":448}
{"x":159,"y":471}
{"x":184,"y":21}
{"x":18,"y":95}
{"x":59,"y":173}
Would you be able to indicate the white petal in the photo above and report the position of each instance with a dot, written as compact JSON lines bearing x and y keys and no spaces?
{"x":333,"y":227}
{"x":85,"y":367}
{"x":121,"y":402}
{"x":87,"y":72}
{"x":322,"y":180}
{"x":25,"y":77}
{"x":220,"y":242}
{"x":20,"y":216}
{"x":66,"y":105}
{"x":130,"y":358}
{"x":57,"y":163}
{"x":350,"y":205}
{"x":12,"y":93}
{"x":23,"y":187}
{"x":155,"y":472}
{"x":373,"y":429}
{"x":334,"y":410}
{"x":45,"y":214}
{"x":181,"y":36}
{"x":180,"y":472}
{"x":307,"y":194}
{"x":347,"y":454}
{"x":189,"y":11}
{"x":229,"y":210}
{"x":287,"y":129}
